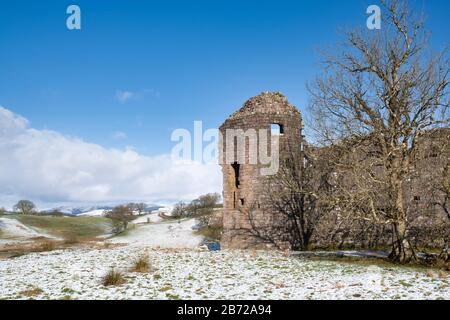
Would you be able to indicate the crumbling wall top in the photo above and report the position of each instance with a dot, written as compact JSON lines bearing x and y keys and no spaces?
{"x":266,"y":103}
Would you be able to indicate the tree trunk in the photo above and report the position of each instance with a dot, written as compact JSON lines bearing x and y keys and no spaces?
{"x":402,"y":250}
{"x":444,"y":256}
{"x":445,"y":253}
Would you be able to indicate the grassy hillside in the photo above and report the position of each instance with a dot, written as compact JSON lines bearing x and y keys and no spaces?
{"x":81,"y":228}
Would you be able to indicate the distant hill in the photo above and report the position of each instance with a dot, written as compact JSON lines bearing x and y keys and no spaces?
{"x":80,"y":210}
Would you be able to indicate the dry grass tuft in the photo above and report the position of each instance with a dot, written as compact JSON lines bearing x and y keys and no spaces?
{"x":141,"y":264}
{"x":47,"y":246}
{"x":113,"y":278}
{"x":431,"y":274}
{"x":31,"y":292}
{"x":443,"y":274}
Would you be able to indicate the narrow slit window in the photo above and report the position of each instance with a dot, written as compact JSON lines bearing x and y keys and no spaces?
{"x":236,"y":167}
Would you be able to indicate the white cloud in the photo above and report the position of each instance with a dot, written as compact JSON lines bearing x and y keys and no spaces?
{"x":124,"y":96}
{"x":119,"y":135}
{"x":48,"y":167}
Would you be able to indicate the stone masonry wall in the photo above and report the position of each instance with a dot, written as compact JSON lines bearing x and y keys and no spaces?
{"x":249,"y":195}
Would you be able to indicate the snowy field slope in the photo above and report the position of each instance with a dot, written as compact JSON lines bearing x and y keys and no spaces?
{"x":102,"y":211}
{"x":195,"y":274}
{"x":13,"y":230}
{"x":166,"y":234}
{"x":94,"y":213}
{"x":148,"y":218}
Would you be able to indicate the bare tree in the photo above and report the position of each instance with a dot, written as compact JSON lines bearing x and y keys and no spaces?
{"x":203,"y":205}
{"x":25,"y":207}
{"x":138,"y":207}
{"x":384,"y":89}
{"x":295,"y":205}
{"x":180,"y":210}
{"x":121,"y":216}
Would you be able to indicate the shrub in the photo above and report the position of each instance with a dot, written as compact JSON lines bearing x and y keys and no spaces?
{"x":210,"y":232}
{"x":141,"y":264}
{"x":113,"y":278}
{"x":207,"y":229}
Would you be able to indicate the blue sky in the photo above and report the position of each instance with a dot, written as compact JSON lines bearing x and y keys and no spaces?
{"x":185,"y":61}
{"x":172,"y":62}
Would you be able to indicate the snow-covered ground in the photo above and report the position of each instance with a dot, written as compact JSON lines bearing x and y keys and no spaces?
{"x":94,"y":213}
{"x":184,"y":270}
{"x":13,"y":230}
{"x":153,"y":215}
{"x":196,"y":274}
{"x":148,"y":218}
{"x":165,"y":234}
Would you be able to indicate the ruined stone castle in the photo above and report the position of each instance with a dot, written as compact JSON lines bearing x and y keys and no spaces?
{"x":254,"y":129}
{"x":269,"y":125}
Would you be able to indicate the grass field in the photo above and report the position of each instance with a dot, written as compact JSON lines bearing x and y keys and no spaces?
{"x":81,"y":228}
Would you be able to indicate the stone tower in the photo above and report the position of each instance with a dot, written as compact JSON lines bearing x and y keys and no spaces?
{"x":264,"y":124}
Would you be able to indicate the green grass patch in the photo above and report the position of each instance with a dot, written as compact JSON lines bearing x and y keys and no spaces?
{"x":405,"y":284}
{"x":82,"y":228}
{"x":131,"y":226}
{"x":166,"y":288}
{"x":172,"y":296}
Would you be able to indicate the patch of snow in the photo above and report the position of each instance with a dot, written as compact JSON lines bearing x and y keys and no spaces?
{"x":148,"y":218}
{"x":93,"y":213}
{"x":167,"y":234}
{"x":13,"y":229}
{"x":96,"y":212}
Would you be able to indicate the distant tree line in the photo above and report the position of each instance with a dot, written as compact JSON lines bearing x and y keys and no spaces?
{"x":203,"y":205}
